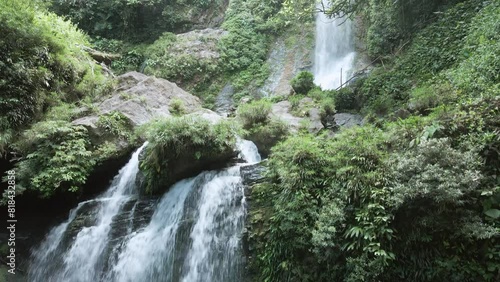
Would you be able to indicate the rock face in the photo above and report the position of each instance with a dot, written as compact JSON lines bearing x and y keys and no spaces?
{"x":252,"y":174}
{"x":141,"y":98}
{"x":289,"y":55}
{"x":201,"y":44}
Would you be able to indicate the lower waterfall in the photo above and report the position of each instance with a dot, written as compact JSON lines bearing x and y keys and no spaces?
{"x":191,"y":234}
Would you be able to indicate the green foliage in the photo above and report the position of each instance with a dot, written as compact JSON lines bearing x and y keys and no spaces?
{"x":243,"y":46}
{"x":328,"y":206}
{"x":115,"y":123}
{"x":42,"y":64}
{"x":132,"y":55}
{"x":447,"y":59}
{"x":259,"y":127}
{"x":58,"y":158}
{"x":131,"y":20}
{"x":345,"y":99}
{"x":179,"y":142}
{"x":176,"y":107}
{"x":266,"y":135}
{"x":254,"y":113}
{"x":340,"y":202}
{"x":167,"y":58}
{"x":303,"y":82}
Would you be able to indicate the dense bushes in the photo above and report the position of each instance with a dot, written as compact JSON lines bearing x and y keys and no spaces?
{"x":255,"y":113}
{"x":41,"y":64}
{"x":384,"y":203}
{"x":448,"y":55}
{"x":181,"y":147}
{"x":167,"y":58}
{"x":58,"y":158}
{"x":136,"y":21}
{"x":359,"y":211}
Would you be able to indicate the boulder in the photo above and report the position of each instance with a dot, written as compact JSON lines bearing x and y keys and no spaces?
{"x":141,"y":98}
{"x":282,"y":111}
{"x":343,"y":120}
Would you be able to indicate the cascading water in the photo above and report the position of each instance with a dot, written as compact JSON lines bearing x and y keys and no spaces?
{"x":81,"y":261}
{"x":193,"y":234}
{"x":334,"y":51}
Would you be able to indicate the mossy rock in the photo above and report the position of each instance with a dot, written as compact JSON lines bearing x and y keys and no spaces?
{"x":183,"y":147}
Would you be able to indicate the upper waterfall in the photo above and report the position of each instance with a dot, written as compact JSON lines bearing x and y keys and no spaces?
{"x":334,"y":51}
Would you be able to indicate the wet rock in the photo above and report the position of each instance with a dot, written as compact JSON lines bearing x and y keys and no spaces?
{"x":286,"y":61}
{"x":252,"y":174}
{"x":224,"y":103}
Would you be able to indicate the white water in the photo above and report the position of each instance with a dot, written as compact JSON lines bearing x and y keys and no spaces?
{"x":193,"y":235}
{"x":334,"y":51}
{"x":81,"y":261}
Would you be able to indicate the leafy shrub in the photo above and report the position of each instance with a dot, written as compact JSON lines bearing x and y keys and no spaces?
{"x":115,"y":123}
{"x":176,"y":107}
{"x":345,"y":99}
{"x":265,"y":136}
{"x":243,"y":46}
{"x":312,"y":180}
{"x":303,"y":82}
{"x":254,"y":113}
{"x":180,"y":147}
{"x":58,"y":158}
{"x":42,"y":64}
{"x":167,"y":58}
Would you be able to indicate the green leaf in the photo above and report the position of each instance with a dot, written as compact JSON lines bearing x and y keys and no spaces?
{"x":493,"y":213}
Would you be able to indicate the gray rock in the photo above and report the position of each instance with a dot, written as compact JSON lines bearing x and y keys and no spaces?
{"x":315,"y":124}
{"x":201,"y":44}
{"x":252,"y":174}
{"x":207,"y":114}
{"x":348,"y":120}
{"x":224,"y":103}
{"x":343,"y":120}
{"x":141,"y":98}
{"x":282,"y":111}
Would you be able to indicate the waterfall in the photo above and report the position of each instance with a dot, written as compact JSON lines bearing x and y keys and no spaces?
{"x":53,"y":261}
{"x":192,"y":235}
{"x":334,"y":51}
